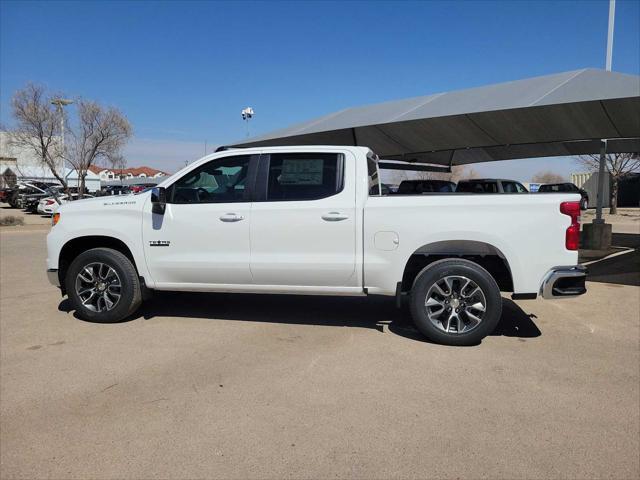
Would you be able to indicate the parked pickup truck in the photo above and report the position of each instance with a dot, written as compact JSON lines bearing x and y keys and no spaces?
{"x":312,"y":220}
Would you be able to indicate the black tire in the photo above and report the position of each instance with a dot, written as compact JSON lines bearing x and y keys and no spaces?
{"x":436,"y":272}
{"x":130,"y":292}
{"x":584,"y":204}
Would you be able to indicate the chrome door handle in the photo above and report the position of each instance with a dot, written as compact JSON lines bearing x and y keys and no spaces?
{"x":231,"y":217}
{"x":334,"y":217}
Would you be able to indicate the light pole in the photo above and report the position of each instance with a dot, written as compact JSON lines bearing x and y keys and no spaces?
{"x":603,"y":142}
{"x":59,"y":103}
{"x":247,"y":114}
{"x":612,"y":17}
{"x":597,"y":234}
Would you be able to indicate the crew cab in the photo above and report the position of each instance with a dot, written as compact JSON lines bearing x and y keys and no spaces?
{"x":314,"y":220}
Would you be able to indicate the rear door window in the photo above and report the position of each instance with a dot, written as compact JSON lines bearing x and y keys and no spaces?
{"x":304,"y":176}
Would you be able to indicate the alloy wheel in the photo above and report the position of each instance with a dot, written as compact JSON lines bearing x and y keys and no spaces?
{"x":455,"y":304}
{"x":98,"y":286}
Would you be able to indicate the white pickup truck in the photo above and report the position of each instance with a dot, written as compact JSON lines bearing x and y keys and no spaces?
{"x":312,"y":220}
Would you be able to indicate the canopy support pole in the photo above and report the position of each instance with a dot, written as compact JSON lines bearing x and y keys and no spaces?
{"x":599,"y":198}
{"x":597,"y":235}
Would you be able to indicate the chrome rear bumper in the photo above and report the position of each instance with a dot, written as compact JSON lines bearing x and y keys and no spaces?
{"x":564,"y":282}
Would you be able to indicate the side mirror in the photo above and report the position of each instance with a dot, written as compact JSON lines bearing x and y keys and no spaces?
{"x":158,"y":200}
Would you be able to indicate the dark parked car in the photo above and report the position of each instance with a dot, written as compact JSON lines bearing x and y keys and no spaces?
{"x":27,"y":191}
{"x":566,"y":188}
{"x":417,"y":187}
{"x":5,"y":193}
{"x":490,"y":185}
{"x":116,"y":190}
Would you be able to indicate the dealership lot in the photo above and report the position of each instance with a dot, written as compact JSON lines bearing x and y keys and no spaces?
{"x":212,"y":385}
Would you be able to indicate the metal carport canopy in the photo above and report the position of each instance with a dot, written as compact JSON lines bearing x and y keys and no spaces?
{"x":554,"y":115}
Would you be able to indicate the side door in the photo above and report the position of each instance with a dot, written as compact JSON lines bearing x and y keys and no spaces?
{"x":203,"y":236}
{"x":303,"y":224}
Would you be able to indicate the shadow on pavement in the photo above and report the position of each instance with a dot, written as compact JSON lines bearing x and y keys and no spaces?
{"x":374,"y":312}
{"x":628,"y":240}
{"x":622,"y":269}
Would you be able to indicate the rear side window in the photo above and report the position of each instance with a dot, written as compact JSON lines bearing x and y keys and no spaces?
{"x":374,"y":179}
{"x":509,"y":187}
{"x":444,"y":187}
{"x":304,"y":176}
{"x":478,"y":187}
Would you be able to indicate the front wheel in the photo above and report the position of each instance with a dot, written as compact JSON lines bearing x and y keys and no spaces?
{"x":455,"y":302}
{"x":103,"y":286}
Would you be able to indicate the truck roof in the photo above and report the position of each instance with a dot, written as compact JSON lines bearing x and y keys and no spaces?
{"x":293,"y":147}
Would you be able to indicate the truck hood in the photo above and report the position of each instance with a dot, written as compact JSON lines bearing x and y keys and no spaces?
{"x":106,"y":203}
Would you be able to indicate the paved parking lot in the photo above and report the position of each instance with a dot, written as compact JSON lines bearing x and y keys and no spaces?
{"x":249,"y":386}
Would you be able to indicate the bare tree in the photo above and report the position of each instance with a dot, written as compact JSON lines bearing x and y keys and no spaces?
{"x":119,"y":163}
{"x":462,"y":172}
{"x":619,"y":165}
{"x":37,"y":128}
{"x":99,"y":136}
{"x":548,"y":176}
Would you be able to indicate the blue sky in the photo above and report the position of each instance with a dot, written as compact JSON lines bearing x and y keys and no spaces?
{"x":182,"y":71}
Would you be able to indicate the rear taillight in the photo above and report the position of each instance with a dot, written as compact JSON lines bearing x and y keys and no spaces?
{"x":50,"y":202}
{"x":572,"y":237}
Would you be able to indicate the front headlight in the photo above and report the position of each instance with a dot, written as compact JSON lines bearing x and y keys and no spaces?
{"x":55,"y":219}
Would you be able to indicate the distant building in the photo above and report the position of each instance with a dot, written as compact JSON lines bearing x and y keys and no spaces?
{"x":589,"y":182}
{"x":21,"y":164}
{"x":628,"y":188}
{"x":107,"y":174}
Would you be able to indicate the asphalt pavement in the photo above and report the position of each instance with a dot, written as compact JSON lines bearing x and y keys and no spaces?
{"x":256,"y":386}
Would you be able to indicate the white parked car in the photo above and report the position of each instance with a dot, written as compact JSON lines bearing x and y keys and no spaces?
{"x":49,"y":205}
{"x":312,"y":220}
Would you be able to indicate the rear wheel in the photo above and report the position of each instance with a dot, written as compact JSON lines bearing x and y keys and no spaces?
{"x":455,"y":302}
{"x":584,"y":204}
{"x":103,"y":286}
